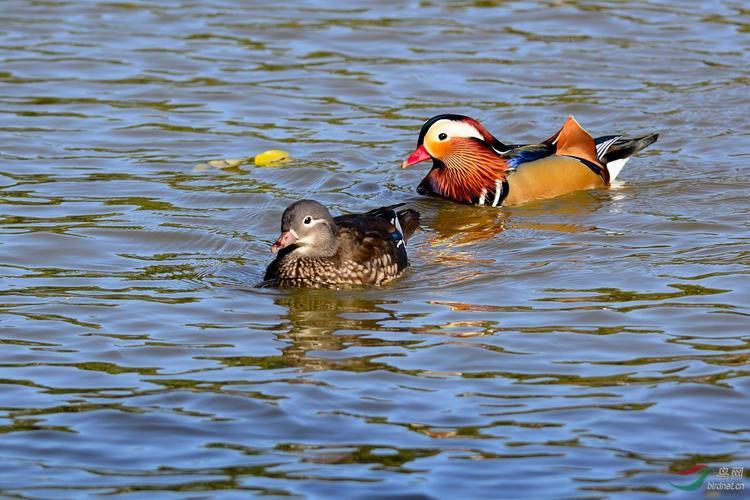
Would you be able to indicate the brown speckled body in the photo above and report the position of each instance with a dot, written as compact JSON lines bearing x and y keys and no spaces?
{"x":307,"y":272}
{"x":369,"y":250}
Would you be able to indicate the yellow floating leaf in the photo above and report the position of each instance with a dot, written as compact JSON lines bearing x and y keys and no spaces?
{"x":228,"y":163}
{"x":218,"y":163}
{"x":235,"y":162}
{"x":271,"y":156}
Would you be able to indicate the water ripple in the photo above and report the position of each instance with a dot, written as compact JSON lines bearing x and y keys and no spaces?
{"x":592,"y":345}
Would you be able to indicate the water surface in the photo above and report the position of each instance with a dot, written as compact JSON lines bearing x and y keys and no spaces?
{"x":587,"y":346}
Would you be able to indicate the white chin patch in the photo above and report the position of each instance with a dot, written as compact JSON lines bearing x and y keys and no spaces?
{"x":615,"y":167}
{"x":304,"y":245}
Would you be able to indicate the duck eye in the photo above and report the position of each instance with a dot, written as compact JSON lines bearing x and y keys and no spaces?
{"x":442,"y":136}
{"x":307,"y":220}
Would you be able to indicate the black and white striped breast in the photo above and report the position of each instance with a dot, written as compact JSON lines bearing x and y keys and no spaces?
{"x":493,"y":195}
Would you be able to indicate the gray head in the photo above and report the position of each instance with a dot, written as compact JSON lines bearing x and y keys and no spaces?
{"x":309,"y":226}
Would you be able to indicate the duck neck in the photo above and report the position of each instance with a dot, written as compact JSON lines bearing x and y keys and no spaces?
{"x":468,"y":180}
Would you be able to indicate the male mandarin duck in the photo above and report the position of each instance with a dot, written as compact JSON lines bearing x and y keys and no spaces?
{"x":471,"y":166}
{"x":316,"y":250}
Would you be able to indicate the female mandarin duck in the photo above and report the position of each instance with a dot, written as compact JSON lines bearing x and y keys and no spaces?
{"x":471,"y":166}
{"x":316,"y":250}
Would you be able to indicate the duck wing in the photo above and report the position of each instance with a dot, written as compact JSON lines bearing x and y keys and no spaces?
{"x":564,"y":163}
{"x":405,"y":221}
{"x":374,"y":243}
{"x":606,"y":159}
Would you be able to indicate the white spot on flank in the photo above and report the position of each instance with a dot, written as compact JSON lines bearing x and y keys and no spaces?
{"x":482,"y":196}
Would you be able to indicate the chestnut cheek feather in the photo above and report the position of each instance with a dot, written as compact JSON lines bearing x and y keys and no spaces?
{"x":469,"y":170}
{"x":445,"y":148}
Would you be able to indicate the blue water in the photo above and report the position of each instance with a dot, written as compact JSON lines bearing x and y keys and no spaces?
{"x":588,"y":346}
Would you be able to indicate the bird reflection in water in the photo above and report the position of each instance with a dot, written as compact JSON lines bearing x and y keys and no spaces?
{"x":461,"y":224}
{"x":465,"y":224}
{"x":324,"y":320}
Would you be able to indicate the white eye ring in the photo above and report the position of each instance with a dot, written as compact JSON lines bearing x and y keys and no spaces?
{"x":307,"y":220}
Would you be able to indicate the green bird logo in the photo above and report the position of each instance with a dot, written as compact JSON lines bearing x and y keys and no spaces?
{"x":704,"y":471}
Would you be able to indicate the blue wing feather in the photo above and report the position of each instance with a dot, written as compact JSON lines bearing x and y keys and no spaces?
{"x":526,"y":154}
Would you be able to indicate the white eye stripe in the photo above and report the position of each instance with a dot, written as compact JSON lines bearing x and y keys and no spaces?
{"x":314,"y":221}
{"x":453,"y":129}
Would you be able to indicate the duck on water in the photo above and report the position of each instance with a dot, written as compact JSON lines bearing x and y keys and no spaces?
{"x":471,"y":166}
{"x":316,"y":250}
